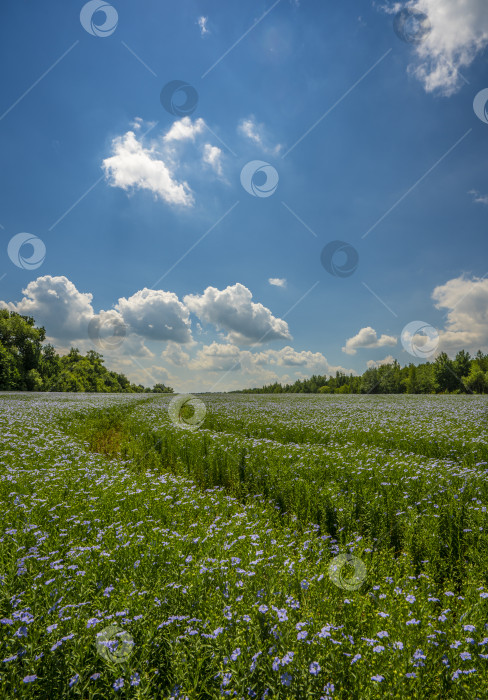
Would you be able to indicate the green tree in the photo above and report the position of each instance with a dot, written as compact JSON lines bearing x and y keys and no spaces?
{"x":462,"y":363}
{"x":411,"y":383}
{"x":476,"y":380}
{"x":445,"y":376}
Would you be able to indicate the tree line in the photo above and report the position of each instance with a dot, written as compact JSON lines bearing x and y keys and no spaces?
{"x":463,"y":374}
{"x":28,"y":365}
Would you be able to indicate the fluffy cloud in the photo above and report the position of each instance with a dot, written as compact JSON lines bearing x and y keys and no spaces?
{"x":68,"y":315}
{"x":212,"y":155}
{"x":176,"y":355}
{"x":459,"y":32}
{"x":377,"y":363}
{"x":202,"y":23}
{"x":277,"y":282}
{"x":367,"y":338}
{"x":467,"y":316}
{"x":156,"y":315}
{"x":255,"y":133}
{"x":233,"y":310}
{"x":218,"y":357}
{"x":56,"y":304}
{"x":184,"y":130}
{"x":134,"y":166}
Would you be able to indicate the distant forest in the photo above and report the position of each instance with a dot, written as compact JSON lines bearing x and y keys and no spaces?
{"x":463,"y":375}
{"x":27,"y":365}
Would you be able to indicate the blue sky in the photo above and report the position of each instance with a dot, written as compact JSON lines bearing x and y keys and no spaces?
{"x":373,"y":140}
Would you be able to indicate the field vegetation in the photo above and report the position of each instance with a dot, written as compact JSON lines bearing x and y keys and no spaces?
{"x":287,"y":546}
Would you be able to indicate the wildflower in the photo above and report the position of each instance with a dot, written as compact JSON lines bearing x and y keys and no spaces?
{"x":226,"y":679}
{"x":302,"y":635}
{"x":378,"y":649}
{"x":413,"y":621}
{"x":236,"y":653}
{"x":95,"y":676}
{"x":21,"y":632}
{"x":119,"y":683}
{"x":304,"y":585}
{"x":276,"y":664}
{"x":288,"y":657}
{"x":465,"y":655}
{"x":378,"y":679}
{"x":410,"y":598}
{"x":135,"y":679}
{"x":286,"y":679}
{"x":469,"y":628}
{"x":329,"y":688}
{"x":356,"y":658}
{"x":74,"y":680}
{"x":410,"y":675}
{"x":51,"y":628}
{"x":254,"y":660}
{"x":314,"y":668}
{"x":29,"y":679}
{"x":382,"y":634}
{"x":6,"y":621}
{"x":263,"y":609}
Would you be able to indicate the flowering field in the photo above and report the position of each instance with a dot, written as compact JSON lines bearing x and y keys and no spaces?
{"x":290,"y":547}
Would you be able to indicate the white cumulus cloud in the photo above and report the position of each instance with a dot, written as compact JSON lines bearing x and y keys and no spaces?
{"x":56,"y":304}
{"x":367,"y":338}
{"x":233,"y":310}
{"x":458,"y":34}
{"x":133,"y":166}
{"x":156,"y":315}
{"x":184,"y":130}
{"x":212,"y":155}
{"x":466,"y":301}
{"x":378,"y":363}
{"x":277,"y":281}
